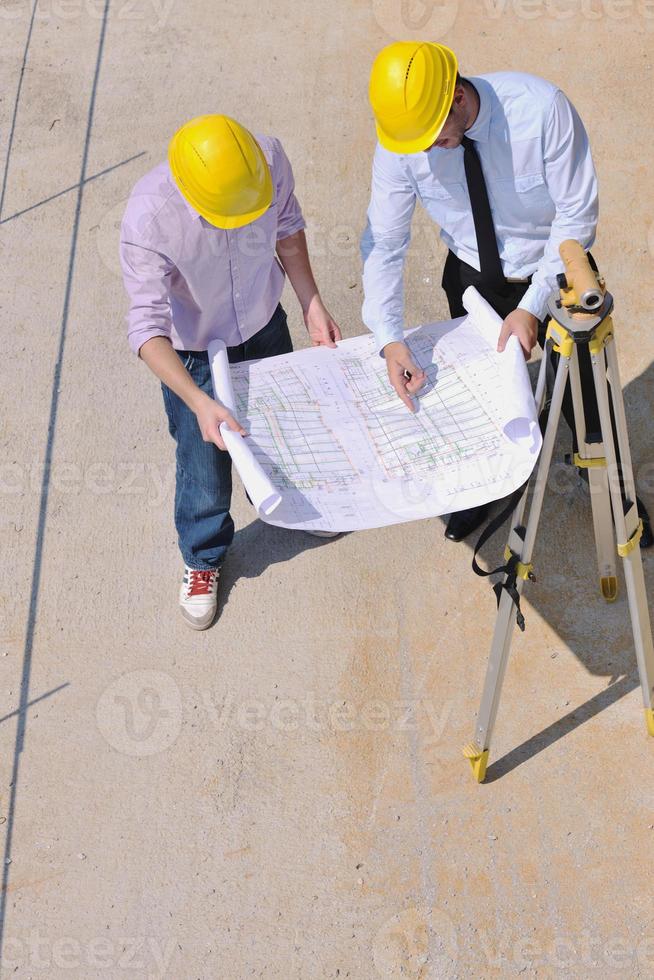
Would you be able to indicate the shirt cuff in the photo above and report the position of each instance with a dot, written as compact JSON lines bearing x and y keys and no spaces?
{"x":388,"y":334}
{"x":535,"y":300}
{"x":291,"y":229}
{"x":137,"y":338}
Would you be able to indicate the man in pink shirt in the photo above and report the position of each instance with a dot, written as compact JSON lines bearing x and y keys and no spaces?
{"x":206,"y":241}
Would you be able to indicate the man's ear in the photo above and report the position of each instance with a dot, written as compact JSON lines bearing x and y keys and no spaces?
{"x":459,"y":95}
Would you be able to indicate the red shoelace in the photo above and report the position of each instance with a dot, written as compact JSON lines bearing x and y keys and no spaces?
{"x":201,"y":582}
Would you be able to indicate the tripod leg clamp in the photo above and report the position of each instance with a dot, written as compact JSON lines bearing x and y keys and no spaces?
{"x":521,"y":569}
{"x":562,"y":342}
{"x":624,"y":550}
{"x":602,"y":336}
{"x":588,"y":464}
{"x":478,"y":759}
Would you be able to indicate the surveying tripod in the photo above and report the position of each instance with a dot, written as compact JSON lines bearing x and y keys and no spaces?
{"x":580,"y":316}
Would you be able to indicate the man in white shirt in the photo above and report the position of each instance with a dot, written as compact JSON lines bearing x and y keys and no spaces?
{"x":502,"y":163}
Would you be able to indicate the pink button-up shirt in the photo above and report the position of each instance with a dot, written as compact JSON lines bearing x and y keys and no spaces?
{"x":192,"y":282}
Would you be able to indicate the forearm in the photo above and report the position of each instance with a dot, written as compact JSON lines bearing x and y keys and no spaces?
{"x":162,"y":359}
{"x":294,"y":257}
{"x":383,"y":288}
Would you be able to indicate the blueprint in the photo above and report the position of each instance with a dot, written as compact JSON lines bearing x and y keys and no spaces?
{"x":331,"y":447}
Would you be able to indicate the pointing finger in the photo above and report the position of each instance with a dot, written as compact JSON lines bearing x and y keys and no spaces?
{"x":401,"y":392}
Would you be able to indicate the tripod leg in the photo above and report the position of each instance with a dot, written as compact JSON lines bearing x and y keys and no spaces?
{"x":627,"y":523}
{"x":590,"y":456}
{"x":600,"y":499}
{"x":477,"y":750}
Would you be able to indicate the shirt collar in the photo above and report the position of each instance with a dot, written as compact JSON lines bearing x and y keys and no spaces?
{"x":480,"y":128}
{"x":191,"y":210}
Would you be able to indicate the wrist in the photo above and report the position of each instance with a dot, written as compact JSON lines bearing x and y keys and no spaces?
{"x":198,"y":399}
{"x":392,"y":348}
{"x":310,"y":303}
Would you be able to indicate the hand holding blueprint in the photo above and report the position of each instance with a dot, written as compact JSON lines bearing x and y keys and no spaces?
{"x":330,"y":446}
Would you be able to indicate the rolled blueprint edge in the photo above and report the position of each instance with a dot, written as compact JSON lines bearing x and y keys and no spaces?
{"x":264,"y":496}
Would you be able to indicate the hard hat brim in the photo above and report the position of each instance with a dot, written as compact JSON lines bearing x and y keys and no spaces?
{"x":228,"y":222}
{"x":423,"y":142}
{"x":225,"y":221}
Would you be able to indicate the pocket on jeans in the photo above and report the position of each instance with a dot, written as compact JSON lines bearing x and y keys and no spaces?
{"x":167,"y":400}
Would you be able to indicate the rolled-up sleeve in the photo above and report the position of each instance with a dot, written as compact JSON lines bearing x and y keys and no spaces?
{"x":146,"y":275}
{"x":289,"y":213}
{"x":572,"y":184}
{"x":383,"y":248}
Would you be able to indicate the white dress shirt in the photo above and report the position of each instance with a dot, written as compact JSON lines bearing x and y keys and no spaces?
{"x":541,"y":184}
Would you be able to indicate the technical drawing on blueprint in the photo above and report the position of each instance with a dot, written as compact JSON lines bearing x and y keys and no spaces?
{"x":342,"y":452}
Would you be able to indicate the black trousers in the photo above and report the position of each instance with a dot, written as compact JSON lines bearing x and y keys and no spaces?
{"x":458,"y":275}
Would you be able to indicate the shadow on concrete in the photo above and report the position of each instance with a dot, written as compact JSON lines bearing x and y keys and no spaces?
{"x":35,"y":586}
{"x":566,"y":594}
{"x":571,"y":609}
{"x":73,"y":187}
{"x":30,"y":704}
{"x":259,"y":545}
{"x":574,"y":719}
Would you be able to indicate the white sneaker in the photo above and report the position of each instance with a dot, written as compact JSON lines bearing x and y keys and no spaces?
{"x":324,"y":534}
{"x":198,"y":597}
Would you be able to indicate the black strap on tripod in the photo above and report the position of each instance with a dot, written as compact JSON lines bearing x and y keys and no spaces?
{"x":509,"y":571}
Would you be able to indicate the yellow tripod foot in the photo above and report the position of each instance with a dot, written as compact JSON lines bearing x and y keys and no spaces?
{"x":649,"y":719}
{"x":609,"y":588}
{"x":478,"y":760}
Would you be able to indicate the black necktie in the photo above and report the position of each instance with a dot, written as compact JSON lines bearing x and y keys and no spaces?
{"x":489,"y":256}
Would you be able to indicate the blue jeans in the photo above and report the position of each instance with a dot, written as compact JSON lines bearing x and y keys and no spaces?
{"x":203,"y":488}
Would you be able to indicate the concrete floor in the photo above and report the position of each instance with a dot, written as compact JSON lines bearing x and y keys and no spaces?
{"x":285,"y":795}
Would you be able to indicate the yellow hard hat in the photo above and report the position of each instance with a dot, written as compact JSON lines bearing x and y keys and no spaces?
{"x":220,"y":169}
{"x":411,"y":90}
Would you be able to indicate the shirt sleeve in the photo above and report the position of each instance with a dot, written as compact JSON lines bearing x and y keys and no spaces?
{"x":572,"y":184}
{"x":384,"y":244}
{"x":289,"y":213}
{"x":145,"y":275}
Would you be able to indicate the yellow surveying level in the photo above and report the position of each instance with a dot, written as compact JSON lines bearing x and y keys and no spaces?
{"x":580,"y":316}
